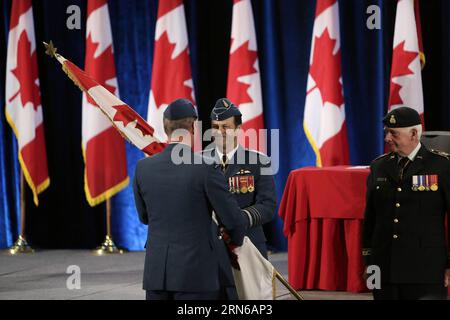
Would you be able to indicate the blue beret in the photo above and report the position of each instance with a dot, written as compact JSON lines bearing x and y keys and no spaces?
{"x":179,"y":109}
{"x":402,"y":117}
{"x":224,"y":109}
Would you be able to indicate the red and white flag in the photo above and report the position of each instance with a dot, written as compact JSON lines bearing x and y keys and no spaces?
{"x":407,"y":59}
{"x":103,"y":148}
{"x":171,"y":73}
{"x":244,"y":80}
{"x":127,"y":121}
{"x":23,"y":98}
{"x":324,"y":118}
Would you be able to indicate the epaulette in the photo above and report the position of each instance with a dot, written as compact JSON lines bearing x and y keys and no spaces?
{"x":382,"y":156}
{"x":441,"y":153}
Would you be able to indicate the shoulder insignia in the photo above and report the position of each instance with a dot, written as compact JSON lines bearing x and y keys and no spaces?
{"x":382,"y":156}
{"x":441,"y":153}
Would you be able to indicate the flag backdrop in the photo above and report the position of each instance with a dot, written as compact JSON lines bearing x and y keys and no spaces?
{"x":23,"y":97}
{"x":102,"y":146}
{"x":171,"y":75}
{"x":244,"y":80}
{"x":284,"y":32}
{"x":407,"y":58}
{"x":324,"y":119}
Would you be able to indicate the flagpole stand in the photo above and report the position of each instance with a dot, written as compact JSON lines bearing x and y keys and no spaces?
{"x":108,"y":246}
{"x":21,"y":245}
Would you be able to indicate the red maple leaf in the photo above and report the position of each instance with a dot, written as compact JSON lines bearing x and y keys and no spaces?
{"x":242,"y":62}
{"x":326,"y":69}
{"x":169,"y":75}
{"x":400,"y":67}
{"x":100,"y":68}
{"x":26,"y":73}
{"x":126,"y":115}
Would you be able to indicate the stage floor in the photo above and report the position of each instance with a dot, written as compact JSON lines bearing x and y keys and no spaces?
{"x":42,"y":275}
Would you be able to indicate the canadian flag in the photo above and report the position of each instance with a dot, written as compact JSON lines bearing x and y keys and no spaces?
{"x":407,"y":59}
{"x":244,"y":81}
{"x":324,"y":118}
{"x":127,"y":121}
{"x":23,"y":99}
{"x":103,"y":147}
{"x":171,"y":73}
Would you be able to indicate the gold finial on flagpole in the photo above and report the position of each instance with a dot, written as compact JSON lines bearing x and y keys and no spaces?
{"x":50,"y":49}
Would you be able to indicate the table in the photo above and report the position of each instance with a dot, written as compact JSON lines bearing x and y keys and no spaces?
{"x":323,"y":212}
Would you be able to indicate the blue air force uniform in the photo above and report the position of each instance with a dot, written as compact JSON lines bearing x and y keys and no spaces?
{"x":176,"y":201}
{"x":252,"y":184}
{"x":254,"y":192}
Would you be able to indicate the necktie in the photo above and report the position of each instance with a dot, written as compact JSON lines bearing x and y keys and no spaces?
{"x":224,"y":162}
{"x":403,"y":166}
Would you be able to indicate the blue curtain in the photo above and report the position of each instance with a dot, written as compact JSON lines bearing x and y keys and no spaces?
{"x":284,"y":29}
{"x":9,"y":166}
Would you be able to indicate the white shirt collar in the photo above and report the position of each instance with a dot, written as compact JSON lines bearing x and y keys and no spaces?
{"x":229,"y":154}
{"x":413,"y":154}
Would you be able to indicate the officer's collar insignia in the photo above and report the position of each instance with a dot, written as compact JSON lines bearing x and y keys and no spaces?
{"x":392,"y":120}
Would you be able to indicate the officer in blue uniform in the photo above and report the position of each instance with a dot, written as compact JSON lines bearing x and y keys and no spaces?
{"x":408,"y":195}
{"x":248,"y":175}
{"x":176,"y":201}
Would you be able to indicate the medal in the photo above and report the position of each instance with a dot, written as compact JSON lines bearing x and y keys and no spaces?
{"x":251,"y":183}
{"x":243,"y":182}
{"x":434,"y":182}
{"x":421,"y":183}
{"x":415,"y":183}
{"x":230,"y":183}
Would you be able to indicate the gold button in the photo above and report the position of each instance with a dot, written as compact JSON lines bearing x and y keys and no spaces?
{"x":397,"y":205}
{"x":395,"y":220}
{"x":399,"y":189}
{"x":395,"y":236}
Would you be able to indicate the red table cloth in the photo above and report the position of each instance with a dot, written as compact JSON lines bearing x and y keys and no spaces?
{"x":323,"y":209}
{"x":323,"y":212}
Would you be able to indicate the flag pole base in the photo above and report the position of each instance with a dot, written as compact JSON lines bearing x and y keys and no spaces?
{"x":20,"y":246}
{"x":108,"y":247}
